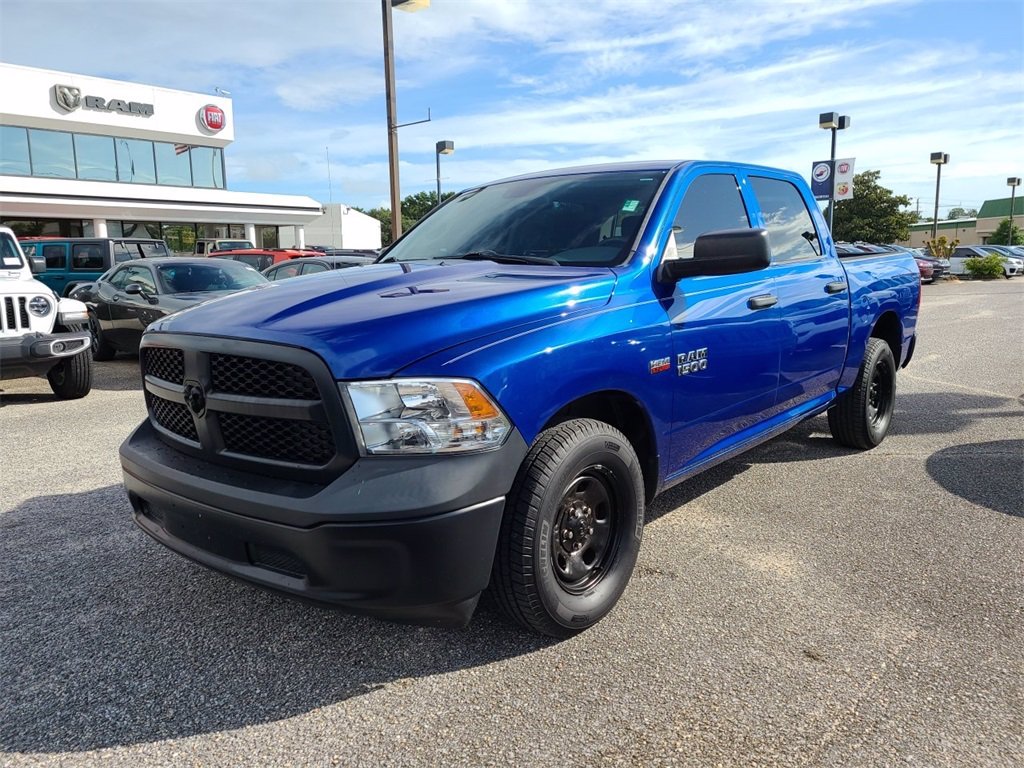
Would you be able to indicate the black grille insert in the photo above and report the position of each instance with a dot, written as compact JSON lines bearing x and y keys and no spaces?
{"x":166,"y":364}
{"x":238,"y":375}
{"x":276,"y":560}
{"x":301,"y":442}
{"x":174,"y":417}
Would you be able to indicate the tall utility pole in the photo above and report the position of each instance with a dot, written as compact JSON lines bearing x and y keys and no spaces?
{"x":1013,"y":182}
{"x":389,"y":92}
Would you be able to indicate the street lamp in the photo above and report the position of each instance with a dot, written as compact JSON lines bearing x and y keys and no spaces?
{"x":445,"y":148}
{"x":1012,"y":182}
{"x":834,"y":122}
{"x":939,"y":159}
{"x":389,"y":93}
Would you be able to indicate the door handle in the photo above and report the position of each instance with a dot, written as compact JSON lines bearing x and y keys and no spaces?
{"x":835,"y":287}
{"x":763,"y":301}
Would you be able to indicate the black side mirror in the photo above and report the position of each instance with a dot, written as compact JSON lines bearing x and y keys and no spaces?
{"x":134,"y":289}
{"x":725,"y":252}
{"x":37,"y":264}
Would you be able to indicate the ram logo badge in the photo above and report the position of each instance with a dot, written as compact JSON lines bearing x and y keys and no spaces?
{"x":692,"y":361}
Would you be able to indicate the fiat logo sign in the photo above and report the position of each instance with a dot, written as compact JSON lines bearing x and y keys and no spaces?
{"x":212,"y":118}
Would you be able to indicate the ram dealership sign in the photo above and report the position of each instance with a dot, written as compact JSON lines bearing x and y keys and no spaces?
{"x":69,"y":98}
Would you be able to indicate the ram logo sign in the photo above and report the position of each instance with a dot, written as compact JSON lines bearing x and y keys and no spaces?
{"x":69,"y":98}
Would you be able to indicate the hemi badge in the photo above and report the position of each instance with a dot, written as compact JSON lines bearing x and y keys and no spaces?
{"x":661,"y":364}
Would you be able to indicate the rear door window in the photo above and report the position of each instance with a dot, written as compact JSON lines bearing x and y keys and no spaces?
{"x":56,"y":255}
{"x":87,"y":257}
{"x":309,"y":269}
{"x":790,"y":227}
{"x":285,"y":270}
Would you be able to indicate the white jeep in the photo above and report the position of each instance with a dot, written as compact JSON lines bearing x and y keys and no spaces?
{"x":40,"y":333}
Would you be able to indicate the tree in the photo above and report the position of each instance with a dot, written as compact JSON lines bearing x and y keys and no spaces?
{"x":1002,"y":234}
{"x":414,"y":208}
{"x":873,"y":215}
{"x":962,"y":213}
{"x":941,"y":248}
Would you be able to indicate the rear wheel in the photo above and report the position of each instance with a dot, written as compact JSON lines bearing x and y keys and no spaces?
{"x":572,"y":529}
{"x":71,"y":378}
{"x":861,"y":417}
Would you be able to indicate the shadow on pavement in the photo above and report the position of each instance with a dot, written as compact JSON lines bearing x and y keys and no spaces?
{"x":990,"y":474}
{"x":108,"y":639}
{"x":118,"y":375}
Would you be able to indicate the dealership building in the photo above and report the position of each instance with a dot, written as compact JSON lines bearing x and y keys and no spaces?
{"x":89,"y":157}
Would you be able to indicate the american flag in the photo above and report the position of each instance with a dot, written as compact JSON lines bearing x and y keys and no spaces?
{"x":181,"y":149}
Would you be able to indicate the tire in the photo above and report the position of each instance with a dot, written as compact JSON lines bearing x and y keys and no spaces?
{"x":101,"y":350}
{"x":861,"y":417}
{"x":71,"y":378}
{"x":572,"y":529}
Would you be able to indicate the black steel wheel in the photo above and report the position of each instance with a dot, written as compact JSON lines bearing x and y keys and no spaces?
{"x":572,"y":529}
{"x":862,"y":415}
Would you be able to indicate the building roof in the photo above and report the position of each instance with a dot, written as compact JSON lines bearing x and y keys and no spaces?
{"x":992,"y":209}
{"x":926,"y":226}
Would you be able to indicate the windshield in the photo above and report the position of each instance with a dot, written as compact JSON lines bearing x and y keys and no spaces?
{"x":212,"y":276}
{"x":232,"y":245}
{"x":586,"y":219}
{"x":10,"y":256}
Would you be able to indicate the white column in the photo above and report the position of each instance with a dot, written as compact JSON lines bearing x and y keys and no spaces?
{"x":300,"y":237}
{"x":250,"y":235}
{"x":99,"y":228}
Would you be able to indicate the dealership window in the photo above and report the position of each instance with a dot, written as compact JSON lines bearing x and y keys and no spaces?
{"x":14,"y":151}
{"x":53,"y":154}
{"x":135,"y":161}
{"x":149,"y":229}
{"x":172,"y":164}
{"x":207,"y":169}
{"x":94,"y":156}
{"x":180,"y":238}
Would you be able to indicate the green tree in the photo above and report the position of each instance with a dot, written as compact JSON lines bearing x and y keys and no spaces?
{"x":941,"y":248}
{"x":873,"y":215}
{"x":1002,"y":234}
{"x":414,"y":208}
{"x":962,"y":213}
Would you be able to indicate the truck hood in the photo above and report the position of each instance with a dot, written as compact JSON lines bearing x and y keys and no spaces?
{"x":372,"y":321}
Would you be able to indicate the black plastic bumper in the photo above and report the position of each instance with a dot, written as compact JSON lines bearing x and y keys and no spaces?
{"x":358,"y":542}
{"x":34,"y":354}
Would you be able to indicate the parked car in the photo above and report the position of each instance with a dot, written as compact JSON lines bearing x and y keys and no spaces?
{"x":262,"y":258}
{"x":74,"y":260}
{"x":124,"y":301}
{"x":312,"y":265}
{"x":206,"y":245}
{"x":926,"y":269}
{"x":496,"y":399}
{"x":41,"y":334}
{"x":1011,"y":265}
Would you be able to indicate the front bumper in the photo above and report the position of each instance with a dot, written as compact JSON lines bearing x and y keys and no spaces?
{"x":36,"y":353}
{"x":406,"y":539}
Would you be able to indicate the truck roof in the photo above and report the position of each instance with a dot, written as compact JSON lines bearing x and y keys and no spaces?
{"x":641,"y":165}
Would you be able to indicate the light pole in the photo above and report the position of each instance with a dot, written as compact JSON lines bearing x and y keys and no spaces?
{"x":939,"y":159}
{"x":443,"y":148}
{"x":834,"y":122}
{"x":1012,"y":182}
{"x":389,"y":94}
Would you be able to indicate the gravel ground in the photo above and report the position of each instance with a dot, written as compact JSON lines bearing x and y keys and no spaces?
{"x":802,"y":605}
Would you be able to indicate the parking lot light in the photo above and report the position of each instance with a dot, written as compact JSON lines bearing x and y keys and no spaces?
{"x":833,"y":121}
{"x":443,"y":148}
{"x":1012,"y":182}
{"x":939,"y":159}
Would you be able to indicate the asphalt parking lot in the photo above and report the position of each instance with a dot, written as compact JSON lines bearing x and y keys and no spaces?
{"x":802,"y":605}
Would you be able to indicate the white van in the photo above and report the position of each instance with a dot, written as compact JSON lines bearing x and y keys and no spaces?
{"x":41,"y":334}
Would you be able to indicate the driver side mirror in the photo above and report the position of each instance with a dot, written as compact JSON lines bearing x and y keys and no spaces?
{"x":37,"y":264}
{"x":725,"y":252}
{"x":136,"y":289}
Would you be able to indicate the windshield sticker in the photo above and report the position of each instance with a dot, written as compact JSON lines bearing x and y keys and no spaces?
{"x":630,"y":205}
{"x":12,"y":261}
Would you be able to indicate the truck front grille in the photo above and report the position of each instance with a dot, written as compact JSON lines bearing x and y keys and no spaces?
{"x":15,"y":316}
{"x":274,"y":410}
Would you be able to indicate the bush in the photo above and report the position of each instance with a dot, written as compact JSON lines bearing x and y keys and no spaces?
{"x":989,"y":266}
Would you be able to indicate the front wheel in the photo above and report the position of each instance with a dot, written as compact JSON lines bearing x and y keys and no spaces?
{"x":861,"y":417}
{"x":102,"y":350}
{"x":71,"y":378}
{"x":572,"y":529}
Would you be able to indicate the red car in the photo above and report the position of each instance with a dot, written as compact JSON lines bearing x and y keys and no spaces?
{"x":926,"y":269}
{"x":261,"y":258}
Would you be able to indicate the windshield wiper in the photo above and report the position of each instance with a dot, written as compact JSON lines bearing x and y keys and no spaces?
{"x":503,"y":258}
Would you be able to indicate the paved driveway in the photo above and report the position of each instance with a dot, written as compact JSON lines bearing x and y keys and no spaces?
{"x":802,"y":605}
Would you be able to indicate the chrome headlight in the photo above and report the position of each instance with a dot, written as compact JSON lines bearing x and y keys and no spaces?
{"x":39,"y":306}
{"x":417,"y":416}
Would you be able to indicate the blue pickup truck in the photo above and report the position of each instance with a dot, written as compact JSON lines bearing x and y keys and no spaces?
{"x":493,"y":403}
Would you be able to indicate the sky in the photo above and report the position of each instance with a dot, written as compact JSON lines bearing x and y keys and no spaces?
{"x":524,"y":85}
